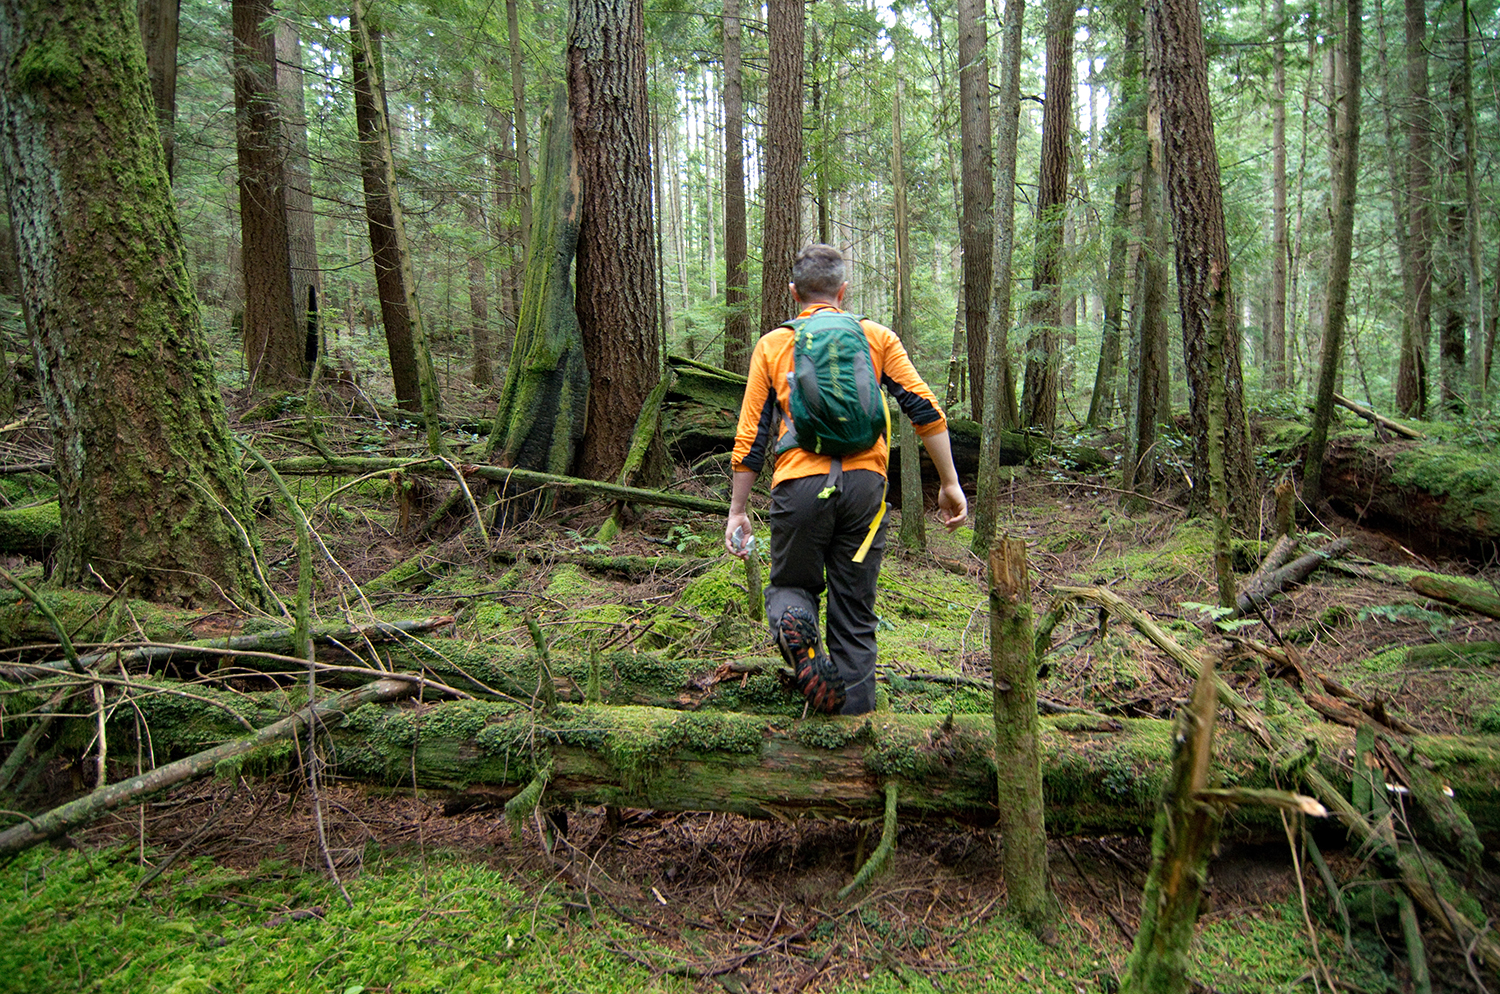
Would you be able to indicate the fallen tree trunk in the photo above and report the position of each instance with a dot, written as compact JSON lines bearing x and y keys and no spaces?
{"x":85,"y":809}
{"x":1437,"y":499}
{"x":1100,"y":776}
{"x":1461,"y":594}
{"x":360,"y":466}
{"x":146,"y":658}
{"x":1258,"y":592}
{"x":1395,"y":427}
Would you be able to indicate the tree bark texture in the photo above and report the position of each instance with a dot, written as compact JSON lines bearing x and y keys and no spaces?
{"x":977,"y":226}
{"x":781,"y":185}
{"x":1044,"y":316}
{"x":737,"y":343}
{"x":1149,"y":380}
{"x":274,"y":340}
{"x":1102,"y":402}
{"x":1022,"y":812}
{"x":1179,"y":70}
{"x":616,"y":289}
{"x":159,"y":20}
{"x":146,"y":470}
{"x":370,"y":118}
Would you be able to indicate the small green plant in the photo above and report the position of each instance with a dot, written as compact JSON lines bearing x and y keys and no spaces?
{"x":682,"y":538}
{"x":1407,"y":614}
{"x":1220,"y":616}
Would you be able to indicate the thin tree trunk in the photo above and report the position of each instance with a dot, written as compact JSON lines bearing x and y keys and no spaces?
{"x":518,"y":115}
{"x":1411,"y":376}
{"x":1102,"y":403}
{"x":302,"y":239}
{"x":481,"y":371}
{"x":1474,"y":265}
{"x":369,"y":112}
{"x":1276,"y":377}
{"x":1018,"y":765}
{"x":1345,"y":183}
{"x":1150,"y":401}
{"x":999,"y":412}
{"x":913,"y":520}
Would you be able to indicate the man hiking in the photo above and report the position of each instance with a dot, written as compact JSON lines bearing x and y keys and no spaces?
{"x":827,"y":510}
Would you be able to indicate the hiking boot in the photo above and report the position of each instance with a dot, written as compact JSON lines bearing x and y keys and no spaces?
{"x":817,"y":677}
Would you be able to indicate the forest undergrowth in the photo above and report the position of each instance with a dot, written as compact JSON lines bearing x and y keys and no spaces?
{"x":263,"y":883}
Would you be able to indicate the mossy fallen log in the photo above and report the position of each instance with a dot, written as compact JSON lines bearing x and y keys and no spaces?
{"x":1460,"y":594}
{"x":1454,"y":654}
{"x":30,"y":531}
{"x":1100,"y":775}
{"x":1433,"y":497}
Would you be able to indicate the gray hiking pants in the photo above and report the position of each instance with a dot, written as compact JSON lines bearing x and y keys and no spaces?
{"x":813,"y":538}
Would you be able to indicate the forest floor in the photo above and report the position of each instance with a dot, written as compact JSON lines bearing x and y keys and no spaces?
{"x":692,"y":901}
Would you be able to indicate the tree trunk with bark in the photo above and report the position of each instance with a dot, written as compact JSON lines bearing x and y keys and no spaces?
{"x":370,"y":117}
{"x":977,"y":226}
{"x":1411,"y":376}
{"x":1000,"y":410}
{"x":159,"y":20}
{"x":616,"y":291}
{"x":148,"y":478}
{"x":1345,"y":183}
{"x":518,"y":115}
{"x":1044,"y":316}
{"x":1276,"y":377}
{"x":737,"y":343}
{"x":302,"y":239}
{"x":1179,"y":71}
{"x":481,"y":371}
{"x":274,"y":340}
{"x":539,"y":422}
{"x":913,"y":533}
{"x":781,"y":183}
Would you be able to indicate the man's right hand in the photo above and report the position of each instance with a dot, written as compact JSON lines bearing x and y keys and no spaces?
{"x":738,"y":521}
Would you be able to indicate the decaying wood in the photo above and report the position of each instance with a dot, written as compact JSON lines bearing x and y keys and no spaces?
{"x":1394,"y":427}
{"x":1181,"y":843}
{"x":1258,"y":593}
{"x":91,"y":806}
{"x":1416,"y":873}
{"x":1022,"y":818}
{"x":1463,"y":595}
{"x":1429,"y":496}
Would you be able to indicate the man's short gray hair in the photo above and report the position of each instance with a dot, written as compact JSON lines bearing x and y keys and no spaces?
{"x":818,"y":271}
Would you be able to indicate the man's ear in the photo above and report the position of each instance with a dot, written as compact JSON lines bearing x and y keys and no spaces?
{"x":840,"y":298}
{"x":795,"y":295}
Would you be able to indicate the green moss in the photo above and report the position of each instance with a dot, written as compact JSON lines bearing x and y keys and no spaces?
{"x":48,"y":63}
{"x":834,"y":733}
{"x":38,"y":524}
{"x":570,"y":583}
{"x":711,"y":592}
{"x":1469,"y":474}
{"x":638,"y":740}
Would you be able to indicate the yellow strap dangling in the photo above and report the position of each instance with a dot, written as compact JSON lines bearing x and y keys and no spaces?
{"x":864,"y":547}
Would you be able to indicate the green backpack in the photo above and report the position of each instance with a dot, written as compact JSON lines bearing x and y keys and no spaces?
{"x":836,"y":403}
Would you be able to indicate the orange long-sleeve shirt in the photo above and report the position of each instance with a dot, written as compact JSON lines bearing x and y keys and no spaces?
{"x":768,"y":393}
